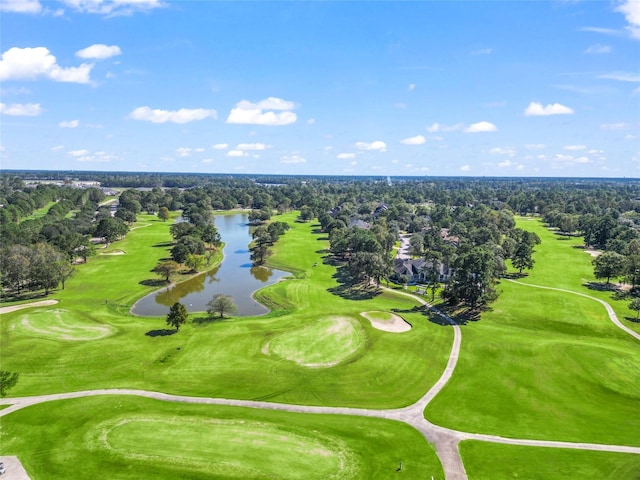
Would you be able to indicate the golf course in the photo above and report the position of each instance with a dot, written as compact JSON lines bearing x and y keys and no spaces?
{"x":326,"y":385}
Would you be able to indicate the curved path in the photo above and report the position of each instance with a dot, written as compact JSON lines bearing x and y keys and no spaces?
{"x":612,"y":314}
{"x":444,"y":440}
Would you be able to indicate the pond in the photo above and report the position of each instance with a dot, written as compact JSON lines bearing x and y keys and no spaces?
{"x":235,"y":276}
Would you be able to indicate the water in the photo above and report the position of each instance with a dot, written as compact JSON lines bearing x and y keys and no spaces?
{"x":235,"y":276}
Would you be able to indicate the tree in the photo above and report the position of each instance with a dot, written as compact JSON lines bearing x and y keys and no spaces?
{"x":166,"y":269}
{"x":209,"y":234}
{"x":163,"y":214}
{"x":8,"y":380}
{"x":194,"y":262}
{"x":111,"y":229}
{"x":177,"y":315}
{"x":221,"y":304}
{"x":609,"y":264}
{"x":635,"y":306}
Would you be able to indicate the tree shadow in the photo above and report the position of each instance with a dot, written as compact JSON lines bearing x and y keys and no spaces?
{"x":162,"y":332}
{"x":602,"y":287}
{"x":22,"y":296}
{"x":207,"y":320}
{"x":632,"y":319}
{"x":163,"y":244}
{"x":515,"y":275}
{"x":153,"y":282}
{"x":355,"y":292}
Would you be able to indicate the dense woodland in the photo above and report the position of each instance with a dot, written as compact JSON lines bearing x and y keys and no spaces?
{"x":462,"y":225}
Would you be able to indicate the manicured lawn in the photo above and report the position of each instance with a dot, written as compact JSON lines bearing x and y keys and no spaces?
{"x":136,"y":438}
{"x":545,"y":365}
{"x":231,"y":358}
{"x":40,"y":212}
{"x":488,"y":461}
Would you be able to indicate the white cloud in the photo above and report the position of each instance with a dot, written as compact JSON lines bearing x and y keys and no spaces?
{"x":598,"y":49}
{"x":574,"y":148}
{"x":346,"y":156}
{"x":20,"y":6}
{"x":534,"y":146}
{"x":262,"y":113}
{"x":21,"y":109}
{"x":621,"y":76}
{"x":184,"y":115}
{"x":311,"y":121}
{"x":292,"y":159}
{"x":57,"y":148}
{"x":436,"y":127}
{"x":207,"y":160}
{"x":536,"y":109}
{"x":69,"y":124}
{"x":252,"y":146}
{"x":631,"y":11}
{"x":183,"y":151}
{"x":376,"y":146}
{"x":605,"y":31}
{"x":31,"y":63}
{"x":99,"y":51}
{"x":509,"y":151}
{"x":615,"y":126}
{"x":481,"y":127}
{"x":465,"y":168}
{"x":417,"y":140}
{"x":507,"y":163}
{"x":411,"y":87}
{"x":113,"y":7}
{"x":220,"y":146}
{"x":328,"y":148}
{"x":78,"y":153}
{"x":236,"y":153}
{"x":482,"y":51}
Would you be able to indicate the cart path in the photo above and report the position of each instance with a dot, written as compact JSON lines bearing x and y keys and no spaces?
{"x":445,"y":440}
{"x":612,"y":314}
{"x":41,"y":303}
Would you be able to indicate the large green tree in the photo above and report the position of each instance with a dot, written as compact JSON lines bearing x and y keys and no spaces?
{"x":221,"y":304}
{"x":177,"y":315}
{"x":609,"y":264}
{"x":166,"y":268}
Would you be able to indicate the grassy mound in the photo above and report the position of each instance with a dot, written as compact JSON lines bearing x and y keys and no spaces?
{"x":60,"y":324}
{"x":138,"y":438}
{"x":323,"y":343}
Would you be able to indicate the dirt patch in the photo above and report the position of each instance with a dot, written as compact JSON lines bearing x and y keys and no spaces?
{"x":14,"y":308}
{"x":593,"y":253}
{"x":394,"y":324}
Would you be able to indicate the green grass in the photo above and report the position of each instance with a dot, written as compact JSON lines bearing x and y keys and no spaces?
{"x":545,"y":365}
{"x":487,"y":461}
{"x":138,"y":438}
{"x":226,"y":359}
{"x":40,"y":212}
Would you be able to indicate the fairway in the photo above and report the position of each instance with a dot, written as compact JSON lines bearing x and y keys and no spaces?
{"x":60,"y":324}
{"x":486,"y":461}
{"x":322,"y":343}
{"x":138,"y":438}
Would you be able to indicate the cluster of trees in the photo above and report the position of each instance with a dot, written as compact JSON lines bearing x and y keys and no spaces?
{"x":611,"y":264}
{"x":194,"y":244}
{"x":34,"y":267}
{"x":265,"y":236}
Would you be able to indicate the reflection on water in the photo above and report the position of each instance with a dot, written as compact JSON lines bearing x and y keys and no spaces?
{"x":235,"y":276}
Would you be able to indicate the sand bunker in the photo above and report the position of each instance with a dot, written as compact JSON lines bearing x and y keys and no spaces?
{"x":593,"y":253}
{"x":387,"y":322}
{"x":114,"y":252}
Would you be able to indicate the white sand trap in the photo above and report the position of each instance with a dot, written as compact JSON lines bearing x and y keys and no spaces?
{"x":387,"y":322}
{"x":114,"y":252}
{"x":593,"y":253}
{"x":13,"y":308}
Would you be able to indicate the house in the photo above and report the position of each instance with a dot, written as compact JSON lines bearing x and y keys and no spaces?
{"x":416,"y":270}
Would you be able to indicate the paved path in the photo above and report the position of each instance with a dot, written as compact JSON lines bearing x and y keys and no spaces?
{"x":610,"y":311}
{"x":14,"y":469}
{"x":41,"y":303}
{"x":444,"y":440}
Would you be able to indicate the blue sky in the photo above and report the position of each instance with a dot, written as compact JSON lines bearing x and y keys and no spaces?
{"x":527,"y":88}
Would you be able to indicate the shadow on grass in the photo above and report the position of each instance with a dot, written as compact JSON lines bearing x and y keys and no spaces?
{"x":602,"y":287}
{"x":153,"y":282}
{"x":207,"y":320}
{"x":163,"y":244}
{"x":516,"y":275}
{"x":20,"y":297}
{"x":162,"y":332}
{"x":355,"y":292}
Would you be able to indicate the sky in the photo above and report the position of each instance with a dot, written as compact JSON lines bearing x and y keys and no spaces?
{"x":423,"y":88}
